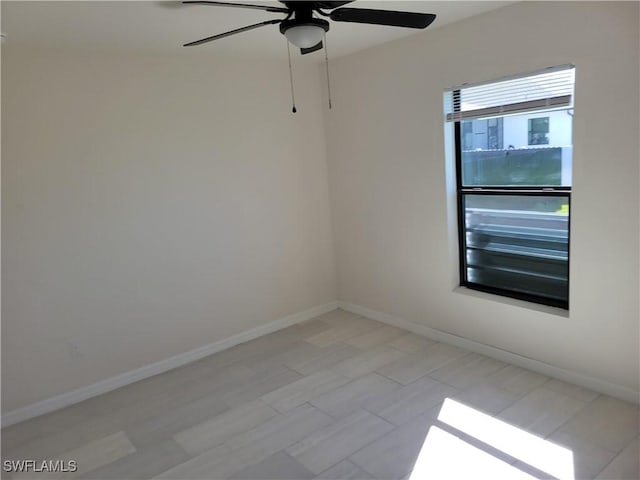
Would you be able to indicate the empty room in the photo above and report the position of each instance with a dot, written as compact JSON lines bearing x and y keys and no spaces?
{"x":320,"y":240}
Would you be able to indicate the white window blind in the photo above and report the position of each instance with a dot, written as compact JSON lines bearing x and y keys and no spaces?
{"x":548,"y":89}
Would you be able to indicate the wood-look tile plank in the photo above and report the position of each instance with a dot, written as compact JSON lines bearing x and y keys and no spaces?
{"x":303,"y":390}
{"x":90,"y":456}
{"x":126,"y":409}
{"x":368,"y":361}
{"x":46,"y":425}
{"x":607,"y":422}
{"x":175,"y":420}
{"x":272,"y":343}
{"x":204,"y":465}
{"x":278,"y":466}
{"x":340,"y":317}
{"x":250,"y":448}
{"x":144,"y":463}
{"x":467,"y":371}
{"x":411,"y":367}
{"x":259,"y":384}
{"x":322,"y":358}
{"x":341,"y":330}
{"x":351,"y":396}
{"x":282,"y":430}
{"x":378,"y":336}
{"x":588,"y":458}
{"x":516,"y":380}
{"x":571,"y":390}
{"x":157,"y":394}
{"x":328,"y":446}
{"x":393,"y":455}
{"x":219,"y":428}
{"x":626,"y":466}
{"x":486,"y":398}
{"x":66,"y":439}
{"x":334,"y":335}
{"x":345,"y":470}
{"x":411,"y":343}
{"x":404,"y":404}
{"x":298,"y":351}
{"x":302,"y":330}
{"x":542,"y":411}
{"x":311,"y":327}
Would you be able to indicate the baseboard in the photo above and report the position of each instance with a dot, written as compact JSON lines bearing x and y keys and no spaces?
{"x":103,"y":386}
{"x":576,"y":378}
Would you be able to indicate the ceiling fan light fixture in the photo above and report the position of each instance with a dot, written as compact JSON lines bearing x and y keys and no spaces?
{"x":304,"y":34}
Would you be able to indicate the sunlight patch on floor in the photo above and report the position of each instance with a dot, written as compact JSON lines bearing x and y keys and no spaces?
{"x":444,"y":454}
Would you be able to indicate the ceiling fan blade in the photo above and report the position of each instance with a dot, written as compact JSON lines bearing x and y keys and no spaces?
{"x":232,"y":32}
{"x":330,"y":5}
{"x":383,"y":17}
{"x":313,"y":5}
{"x":315,"y":48}
{"x":265,"y":8}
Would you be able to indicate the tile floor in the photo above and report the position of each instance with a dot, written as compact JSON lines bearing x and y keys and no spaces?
{"x":338,"y":397}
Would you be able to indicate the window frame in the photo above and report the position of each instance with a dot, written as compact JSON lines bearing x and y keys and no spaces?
{"x":533,"y":132}
{"x":532,"y":190}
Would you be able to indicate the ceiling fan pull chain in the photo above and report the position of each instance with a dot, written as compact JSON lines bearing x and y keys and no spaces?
{"x":293,"y":95}
{"x":326,"y":63}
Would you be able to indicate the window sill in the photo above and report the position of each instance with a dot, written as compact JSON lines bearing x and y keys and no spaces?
{"x":560,"y":312}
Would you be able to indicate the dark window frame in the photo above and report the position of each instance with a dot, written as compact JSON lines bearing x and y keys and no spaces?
{"x":462,"y":191}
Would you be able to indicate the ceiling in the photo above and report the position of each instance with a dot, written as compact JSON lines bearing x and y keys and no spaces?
{"x":162,"y":27}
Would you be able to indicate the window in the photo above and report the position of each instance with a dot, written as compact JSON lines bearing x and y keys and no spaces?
{"x":539,"y":131}
{"x":513,"y":148}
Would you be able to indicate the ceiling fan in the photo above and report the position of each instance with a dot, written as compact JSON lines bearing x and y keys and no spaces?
{"x":306,"y":31}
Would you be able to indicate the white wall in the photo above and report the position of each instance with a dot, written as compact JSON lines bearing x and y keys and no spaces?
{"x":152,"y":205}
{"x":392,"y":191}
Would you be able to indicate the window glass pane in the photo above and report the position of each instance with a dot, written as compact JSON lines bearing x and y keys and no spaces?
{"x":518,"y":150}
{"x":518,"y":243}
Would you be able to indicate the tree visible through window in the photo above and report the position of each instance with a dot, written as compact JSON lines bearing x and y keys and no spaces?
{"x":513,"y":170}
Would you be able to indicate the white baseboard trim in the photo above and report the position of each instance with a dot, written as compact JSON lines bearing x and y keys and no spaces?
{"x":576,"y":378}
{"x":103,"y":386}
